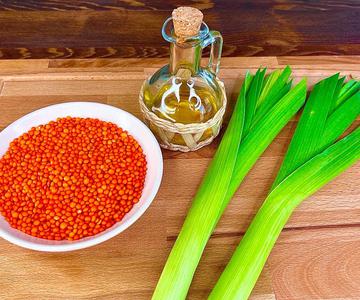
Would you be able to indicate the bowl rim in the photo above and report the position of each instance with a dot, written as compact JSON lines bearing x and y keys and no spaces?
{"x":112,"y":231}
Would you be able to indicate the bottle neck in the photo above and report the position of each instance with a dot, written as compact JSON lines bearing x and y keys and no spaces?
{"x":185,"y":56}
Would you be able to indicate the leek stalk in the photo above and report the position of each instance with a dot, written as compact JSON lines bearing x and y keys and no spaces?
{"x":247,"y":136}
{"x":312,"y":160}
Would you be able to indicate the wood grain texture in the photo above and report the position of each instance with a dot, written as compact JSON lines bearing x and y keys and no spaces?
{"x":317,"y":264}
{"x":316,"y":256}
{"x":131,"y":28}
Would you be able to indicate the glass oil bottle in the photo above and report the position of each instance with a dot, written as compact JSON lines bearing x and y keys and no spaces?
{"x":183,"y":103}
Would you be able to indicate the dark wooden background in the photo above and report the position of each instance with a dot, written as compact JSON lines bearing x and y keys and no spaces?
{"x":131,"y":28}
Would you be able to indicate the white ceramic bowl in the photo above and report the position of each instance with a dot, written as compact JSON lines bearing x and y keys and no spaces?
{"x":102,"y":112}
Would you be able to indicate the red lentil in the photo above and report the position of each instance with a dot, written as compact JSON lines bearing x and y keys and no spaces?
{"x":67,"y":179}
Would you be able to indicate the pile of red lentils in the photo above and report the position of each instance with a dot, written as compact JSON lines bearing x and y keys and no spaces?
{"x":71,"y":178}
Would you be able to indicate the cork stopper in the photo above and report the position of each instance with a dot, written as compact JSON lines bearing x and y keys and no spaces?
{"x":187,"y":21}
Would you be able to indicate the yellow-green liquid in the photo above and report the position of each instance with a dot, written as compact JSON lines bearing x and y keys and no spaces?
{"x":179,"y":102}
{"x":183,"y":101}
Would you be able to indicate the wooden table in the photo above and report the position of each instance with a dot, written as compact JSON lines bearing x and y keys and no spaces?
{"x":131,"y":28}
{"x":316,"y":257}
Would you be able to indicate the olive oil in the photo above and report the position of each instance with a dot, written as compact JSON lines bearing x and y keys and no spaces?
{"x":183,"y":103}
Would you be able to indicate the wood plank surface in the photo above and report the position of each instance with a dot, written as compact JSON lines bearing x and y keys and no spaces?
{"x":131,"y":28}
{"x":316,"y":257}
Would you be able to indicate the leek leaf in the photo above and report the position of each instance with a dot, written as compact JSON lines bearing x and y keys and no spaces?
{"x":269,"y":82}
{"x":349,"y":89}
{"x":274,"y":97}
{"x":252,"y":99}
{"x":265,"y":131}
{"x":336,"y":94}
{"x":309,"y":131}
{"x":341,"y":119}
{"x":278,"y":89}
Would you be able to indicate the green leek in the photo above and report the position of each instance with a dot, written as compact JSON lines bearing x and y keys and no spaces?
{"x":247,"y":136}
{"x":313,"y":159}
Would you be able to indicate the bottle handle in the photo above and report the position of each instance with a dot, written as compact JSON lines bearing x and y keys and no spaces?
{"x":214,"y":39}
